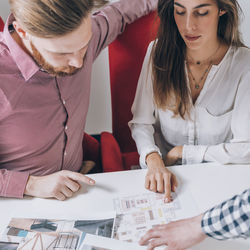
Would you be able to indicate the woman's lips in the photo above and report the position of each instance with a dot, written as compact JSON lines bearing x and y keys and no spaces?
{"x":192,"y":38}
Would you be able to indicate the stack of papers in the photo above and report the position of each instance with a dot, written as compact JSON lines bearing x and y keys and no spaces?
{"x":133,"y":216}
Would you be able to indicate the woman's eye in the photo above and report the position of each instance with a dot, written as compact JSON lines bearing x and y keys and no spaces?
{"x":181,"y":13}
{"x":202,"y":13}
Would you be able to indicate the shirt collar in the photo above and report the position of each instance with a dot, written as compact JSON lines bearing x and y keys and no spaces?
{"x":24,"y":62}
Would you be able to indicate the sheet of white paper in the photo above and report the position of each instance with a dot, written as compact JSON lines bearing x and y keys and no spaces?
{"x":139,"y":213}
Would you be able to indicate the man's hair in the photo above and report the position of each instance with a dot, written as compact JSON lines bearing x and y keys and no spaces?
{"x":52,"y":18}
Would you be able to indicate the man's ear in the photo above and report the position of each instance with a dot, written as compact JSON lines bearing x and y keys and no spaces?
{"x":20,"y":31}
{"x":222,"y":12}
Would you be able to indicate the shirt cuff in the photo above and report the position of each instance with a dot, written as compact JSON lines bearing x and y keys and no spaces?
{"x":16,"y":184}
{"x":145,"y":152}
{"x":193,"y":154}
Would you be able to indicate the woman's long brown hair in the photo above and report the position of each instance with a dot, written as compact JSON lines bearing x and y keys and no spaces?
{"x":168,"y":54}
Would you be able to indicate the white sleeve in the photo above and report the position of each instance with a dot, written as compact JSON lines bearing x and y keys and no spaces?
{"x":237,"y":151}
{"x":193,"y":154}
{"x":143,"y":110}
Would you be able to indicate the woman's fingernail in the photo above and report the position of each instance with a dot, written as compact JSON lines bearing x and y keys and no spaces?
{"x":166,"y":200}
{"x":91,"y":181}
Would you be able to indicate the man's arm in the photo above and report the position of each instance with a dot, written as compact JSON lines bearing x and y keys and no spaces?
{"x":110,"y":21}
{"x":60,"y":185}
{"x":230,"y":219}
{"x":179,"y":235}
{"x":12,"y":183}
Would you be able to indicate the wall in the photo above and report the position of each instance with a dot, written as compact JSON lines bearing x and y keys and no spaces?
{"x":4,"y":9}
{"x":99,"y":115}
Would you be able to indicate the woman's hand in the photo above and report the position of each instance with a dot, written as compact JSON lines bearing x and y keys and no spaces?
{"x":174,"y":155}
{"x":159,"y":178}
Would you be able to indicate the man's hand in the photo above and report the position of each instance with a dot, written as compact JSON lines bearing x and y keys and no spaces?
{"x":159,"y":178}
{"x":60,"y":185}
{"x":174,"y":155}
{"x":178,"y":235}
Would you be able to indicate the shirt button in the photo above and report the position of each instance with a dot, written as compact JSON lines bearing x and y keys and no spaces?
{"x":65,"y":153}
{"x":66,"y":127}
{"x":64,"y":102}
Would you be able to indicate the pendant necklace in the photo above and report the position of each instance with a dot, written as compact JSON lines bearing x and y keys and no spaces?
{"x":198,"y":83}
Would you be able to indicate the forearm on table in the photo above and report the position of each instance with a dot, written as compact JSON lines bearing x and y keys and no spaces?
{"x":230,"y":219}
{"x":193,"y":154}
{"x":229,"y":153}
{"x":13,"y":183}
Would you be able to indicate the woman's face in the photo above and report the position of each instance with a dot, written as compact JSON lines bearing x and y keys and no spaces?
{"x":197,"y":21}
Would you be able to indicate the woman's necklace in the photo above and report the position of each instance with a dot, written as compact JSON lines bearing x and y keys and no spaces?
{"x":197,"y":84}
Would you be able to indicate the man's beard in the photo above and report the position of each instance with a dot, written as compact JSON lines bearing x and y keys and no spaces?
{"x":56,"y":71}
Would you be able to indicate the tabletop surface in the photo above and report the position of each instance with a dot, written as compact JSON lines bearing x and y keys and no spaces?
{"x":209,"y":184}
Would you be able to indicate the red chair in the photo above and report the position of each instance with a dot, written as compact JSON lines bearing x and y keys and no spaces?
{"x":1,"y":24}
{"x":126,"y":55}
{"x":92,"y":152}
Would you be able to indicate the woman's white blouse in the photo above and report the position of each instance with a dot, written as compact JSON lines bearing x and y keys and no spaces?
{"x":219,"y":128}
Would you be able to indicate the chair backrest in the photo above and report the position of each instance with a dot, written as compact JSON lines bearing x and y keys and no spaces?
{"x":1,"y":24}
{"x":126,"y":55}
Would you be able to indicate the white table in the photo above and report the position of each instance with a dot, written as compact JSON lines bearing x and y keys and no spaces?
{"x":209,"y":184}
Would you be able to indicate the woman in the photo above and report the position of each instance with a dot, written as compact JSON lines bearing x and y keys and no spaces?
{"x":192,"y":98}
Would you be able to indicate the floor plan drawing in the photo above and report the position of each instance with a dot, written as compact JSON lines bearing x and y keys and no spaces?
{"x":137,"y":214}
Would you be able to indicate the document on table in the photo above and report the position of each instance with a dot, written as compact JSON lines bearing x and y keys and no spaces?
{"x":133,"y":216}
{"x":139,"y":213}
{"x":37,"y":234}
